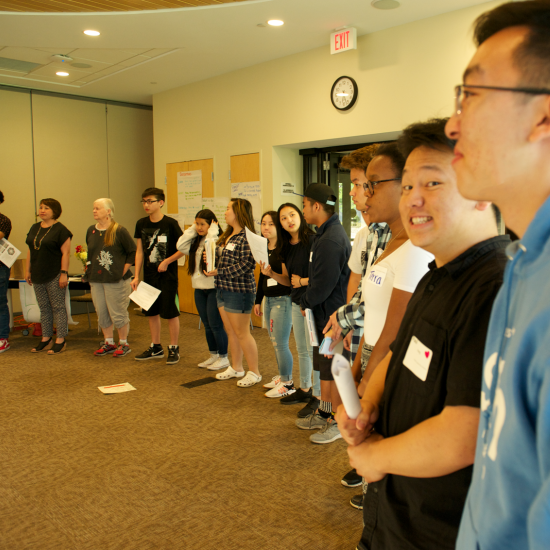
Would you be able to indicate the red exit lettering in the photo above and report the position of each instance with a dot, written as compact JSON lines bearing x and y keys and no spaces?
{"x":341,"y":41}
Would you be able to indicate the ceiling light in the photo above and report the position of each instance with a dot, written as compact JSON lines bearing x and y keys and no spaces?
{"x":92,"y":33}
{"x":385,"y":4}
{"x":62,"y":73}
{"x":275,"y":22}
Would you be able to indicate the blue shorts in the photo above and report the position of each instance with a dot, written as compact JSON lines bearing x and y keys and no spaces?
{"x":235,"y":302}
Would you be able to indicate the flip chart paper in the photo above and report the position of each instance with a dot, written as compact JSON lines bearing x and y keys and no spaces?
{"x":189,"y":193}
{"x":252,"y":191}
{"x":145,"y":295}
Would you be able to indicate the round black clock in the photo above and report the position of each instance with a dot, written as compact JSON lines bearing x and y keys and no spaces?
{"x":344,"y":93}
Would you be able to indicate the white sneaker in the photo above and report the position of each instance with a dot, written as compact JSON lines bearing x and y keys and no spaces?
{"x":249,"y":380}
{"x":229,"y":373}
{"x":280,"y":390}
{"x":274,"y":382}
{"x":209,"y":361}
{"x":220,"y":363}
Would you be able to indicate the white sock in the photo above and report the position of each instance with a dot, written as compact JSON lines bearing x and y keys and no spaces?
{"x":110,"y":341}
{"x":123,"y":342}
{"x":214,"y":355}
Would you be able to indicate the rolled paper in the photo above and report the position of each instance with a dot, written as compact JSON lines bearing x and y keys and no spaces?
{"x":341,"y":370}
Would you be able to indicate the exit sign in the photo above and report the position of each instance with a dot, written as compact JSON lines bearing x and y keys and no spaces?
{"x":343,"y":40}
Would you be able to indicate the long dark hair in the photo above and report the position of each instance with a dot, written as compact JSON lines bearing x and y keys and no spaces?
{"x":304,"y":233}
{"x":209,"y":217}
{"x":275,"y":218}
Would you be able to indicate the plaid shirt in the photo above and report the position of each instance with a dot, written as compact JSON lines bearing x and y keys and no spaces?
{"x":236,"y":267}
{"x":351,"y":315}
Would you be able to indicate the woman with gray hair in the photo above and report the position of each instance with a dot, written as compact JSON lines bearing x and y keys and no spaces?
{"x":111,"y":253}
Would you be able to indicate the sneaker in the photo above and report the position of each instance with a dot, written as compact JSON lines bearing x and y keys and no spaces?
{"x":219,"y":363}
{"x":153,"y":352}
{"x":4,"y":345}
{"x":299,"y":396}
{"x":122,"y":350}
{"x":105,"y":349}
{"x":352,"y":479}
{"x":212,"y":359}
{"x":310,"y":408}
{"x":280,"y":390}
{"x":249,"y":380}
{"x":329,"y":433}
{"x":173,"y":355}
{"x":230,"y":372}
{"x":357,"y":501}
{"x":311,"y":422}
{"x":274,"y":382}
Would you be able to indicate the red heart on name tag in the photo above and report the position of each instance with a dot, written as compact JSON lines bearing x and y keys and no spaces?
{"x":427,"y":354}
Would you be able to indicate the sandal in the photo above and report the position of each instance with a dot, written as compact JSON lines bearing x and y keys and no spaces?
{"x":58,"y":348}
{"x":43,"y":346}
{"x":230,"y":372}
{"x":249,"y":380}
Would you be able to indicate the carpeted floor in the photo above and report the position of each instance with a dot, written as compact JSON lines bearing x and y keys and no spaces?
{"x":164,"y":467}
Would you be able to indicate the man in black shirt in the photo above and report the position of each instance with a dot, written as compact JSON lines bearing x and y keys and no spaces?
{"x":423,"y":399}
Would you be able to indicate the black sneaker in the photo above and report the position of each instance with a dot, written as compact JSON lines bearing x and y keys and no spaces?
{"x":154,"y":352}
{"x":352,"y":479}
{"x":310,"y":408}
{"x":299,"y":396}
{"x":357,"y":501}
{"x":173,"y":355}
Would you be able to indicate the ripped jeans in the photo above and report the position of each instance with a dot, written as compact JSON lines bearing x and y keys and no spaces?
{"x":278,"y":316}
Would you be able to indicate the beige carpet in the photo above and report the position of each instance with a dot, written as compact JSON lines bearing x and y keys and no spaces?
{"x":163,"y":467}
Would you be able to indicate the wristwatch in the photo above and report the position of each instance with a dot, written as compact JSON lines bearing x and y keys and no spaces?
{"x":66,"y":272}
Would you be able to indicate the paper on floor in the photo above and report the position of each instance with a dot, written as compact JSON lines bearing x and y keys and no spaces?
{"x":116,"y":388}
{"x":145,"y":295}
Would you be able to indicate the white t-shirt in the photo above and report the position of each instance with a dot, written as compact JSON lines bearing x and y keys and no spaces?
{"x":355,"y":262}
{"x":402,"y":270}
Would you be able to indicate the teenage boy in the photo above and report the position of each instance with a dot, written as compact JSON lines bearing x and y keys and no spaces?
{"x":423,"y":399}
{"x":5,"y":230}
{"x":157,"y":236}
{"x":502,"y":124}
{"x":326,"y":292}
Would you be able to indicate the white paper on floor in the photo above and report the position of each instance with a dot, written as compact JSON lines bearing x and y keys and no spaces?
{"x":116,"y":388}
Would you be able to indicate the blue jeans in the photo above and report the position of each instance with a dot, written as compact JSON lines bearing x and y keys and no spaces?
{"x":4,"y":311}
{"x":278,"y":315}
{"x":305,"y":352}
{"x":205,"y":300}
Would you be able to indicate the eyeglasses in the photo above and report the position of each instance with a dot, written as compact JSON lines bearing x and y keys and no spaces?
{"x":370,"y":185}
{"x":459,"y":92}
{"x":148,"y":203}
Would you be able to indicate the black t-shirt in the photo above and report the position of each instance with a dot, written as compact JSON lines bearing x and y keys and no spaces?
{"x":106,"y":263}
{"x":46,"y":261}
{"x":158,"y":240}
{"x":274,"y":289}
{"x":449,"y":314}
{"x":296,"y":259}
{"x":5,"y":226}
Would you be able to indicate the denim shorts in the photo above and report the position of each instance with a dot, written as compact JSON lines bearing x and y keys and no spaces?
{"x":235,"y":302}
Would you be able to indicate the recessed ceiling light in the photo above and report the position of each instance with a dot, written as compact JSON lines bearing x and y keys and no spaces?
{"x":385,"y":4}
{"x":92,"y":33}
{"x":275,"y":22}
{"x":62,"y":73}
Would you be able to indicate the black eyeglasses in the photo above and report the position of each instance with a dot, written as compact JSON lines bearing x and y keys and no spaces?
{"x":370,"y":185}
{"x":148,"y":203}
{"x":459,"y":92}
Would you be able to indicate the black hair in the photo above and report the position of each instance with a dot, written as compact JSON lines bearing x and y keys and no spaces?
{"x":327,"y":208}
{"x":275,"y":219}
{"x":391,"y":151}
{"x":208,"y":216}
{"x":429,"y":134}
{"x":304,"y":232}
{"x":154,"y":192}
{"x":532,"y":56}
{"x":1,"y":197}
{"x":55,"y":207}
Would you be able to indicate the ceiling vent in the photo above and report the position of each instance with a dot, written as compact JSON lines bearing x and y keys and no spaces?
{"x":60,"y":58}
{"x":18,"y":66}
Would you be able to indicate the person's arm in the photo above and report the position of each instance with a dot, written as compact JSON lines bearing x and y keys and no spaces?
{"x":1,"y":235}
{"x":282,"y":279}
{"x":353,"y":285}
{"x":28,"y":273}
{"x":139,"y":264}
{"x":436,"y":447}
{"x":65,"y":258}
{"x":297,"y":282}
{"x":163,"y":266}
{"x":185,"y":241}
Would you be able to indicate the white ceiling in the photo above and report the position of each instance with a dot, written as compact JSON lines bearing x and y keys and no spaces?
{"x":142,"y":53}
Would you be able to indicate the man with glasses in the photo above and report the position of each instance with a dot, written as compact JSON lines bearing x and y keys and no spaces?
{"x":502,"y":128}
{"x":157,"y":236}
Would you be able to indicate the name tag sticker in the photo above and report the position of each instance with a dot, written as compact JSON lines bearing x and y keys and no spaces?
{"x":271,"y":282}
{"x":230,"y":246}
{"x":162,"y":239}
{"x":418,"y":358}
{"x":311,"y":256}
{"x":377,"y":275}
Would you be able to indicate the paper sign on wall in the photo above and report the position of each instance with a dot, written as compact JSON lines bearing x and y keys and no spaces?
{"x":189,"y":193}
{"x":252,"y":191}
{"x":218,"y":205}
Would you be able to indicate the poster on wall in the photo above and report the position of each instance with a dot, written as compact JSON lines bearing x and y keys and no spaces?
{"x":218,"y":205}
{"x":288,"y":188}
{"x":189,"y":193}
{"x":250,"y":190}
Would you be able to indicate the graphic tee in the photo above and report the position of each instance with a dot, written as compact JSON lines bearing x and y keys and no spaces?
{"x":158,"y":240}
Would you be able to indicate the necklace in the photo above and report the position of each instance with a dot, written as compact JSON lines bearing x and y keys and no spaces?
{"x":40,"y":241}
{"x":388,"y":246}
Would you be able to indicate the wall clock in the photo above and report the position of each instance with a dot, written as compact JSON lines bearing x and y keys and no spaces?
{"x":344,"y":93}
